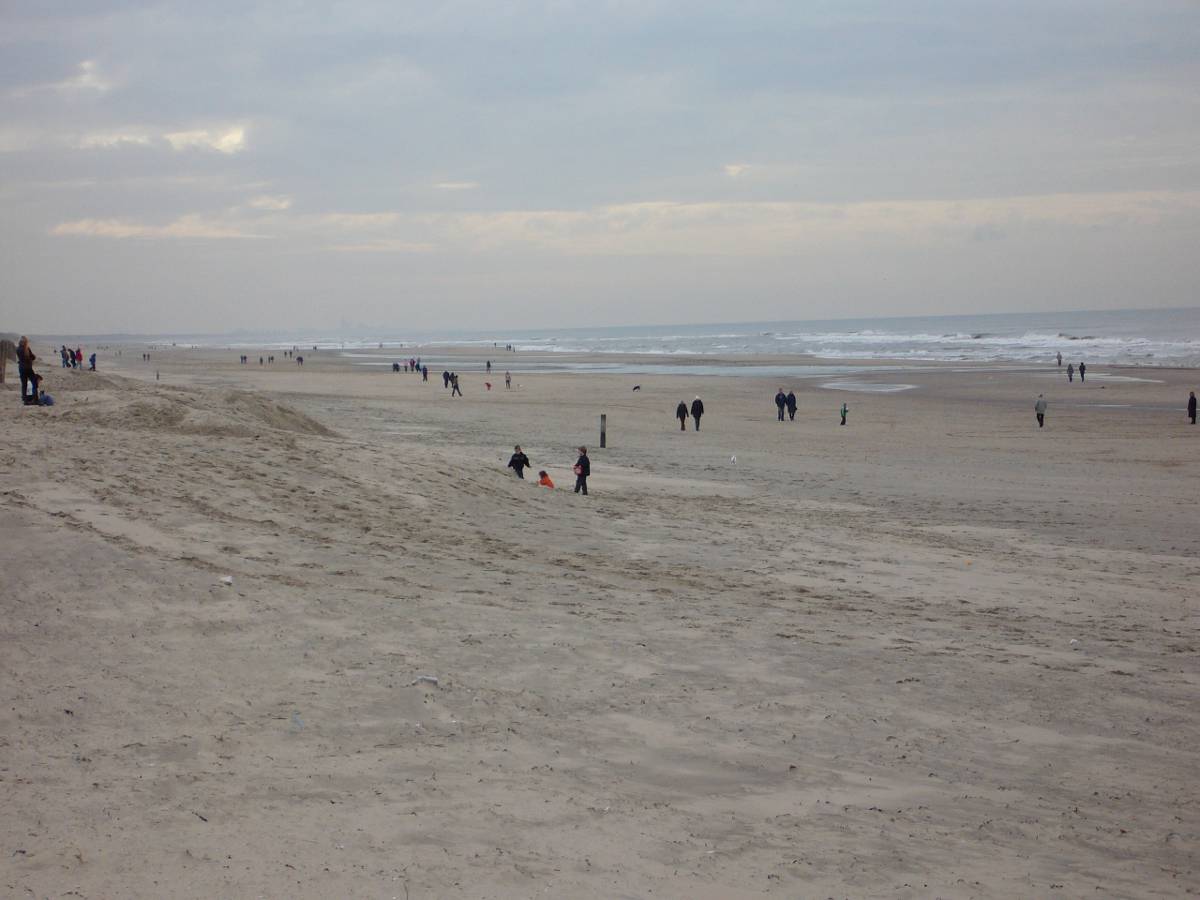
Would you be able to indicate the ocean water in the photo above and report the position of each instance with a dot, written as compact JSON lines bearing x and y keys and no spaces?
{"x":1164,"y":337}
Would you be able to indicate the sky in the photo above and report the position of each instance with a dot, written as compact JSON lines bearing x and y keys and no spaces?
{"x":181,"y":167}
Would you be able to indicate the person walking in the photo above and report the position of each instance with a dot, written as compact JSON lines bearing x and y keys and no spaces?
{"x":1040,"y":409}
{"x":1070,"y":371}
{"x":519,"y":462}
{"x":1192,"y":406}
{"x":454,"y":388}
{"x":583,"y":468}
{"x":790,"y":399}
{"x":1059,"y":360}
{"x":697,"y":412}
{"x":681,"y":414}
{"x":445,"y":378}
{"x":424,"y":373}
{"x":844,"y":410}
{"x":489,"y":367}
{"x":780,"y":402}
{"x":92,"y":363}
{"x":1082,"y":371}
{"x":25,"y":360}
{"x":507,"y":380}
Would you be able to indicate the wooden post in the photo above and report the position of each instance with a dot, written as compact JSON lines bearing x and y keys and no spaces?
{"x":603,"y":430}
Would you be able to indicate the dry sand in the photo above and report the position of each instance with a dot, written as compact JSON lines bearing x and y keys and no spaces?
{"x":935,"y":653}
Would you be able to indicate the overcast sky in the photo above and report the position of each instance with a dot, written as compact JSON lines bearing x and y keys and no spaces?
{"x":173,"y":167}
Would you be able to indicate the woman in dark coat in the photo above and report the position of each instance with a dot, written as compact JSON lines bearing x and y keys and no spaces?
{"x":25,"y":359}
{"x":697,"y":411}
{"x":681,"y":414}
{"x":583,"y":468}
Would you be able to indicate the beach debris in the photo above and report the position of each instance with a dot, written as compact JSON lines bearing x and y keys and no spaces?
{"x":226,"y":579}
{"x":424,"y":679}
{"x":733,"y":460}
{"x":1074,"y":642}
{"x":297,"y":722}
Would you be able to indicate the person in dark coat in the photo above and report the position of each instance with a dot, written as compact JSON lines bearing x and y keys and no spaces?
{"x":583,"y":468}
{"x":25,"y":360}
{"x":697,"y":412}
{"x":1082,"y":371}
{"x":1070,"y":371}
{"x":681,"y":414}
{"x":445,"y":378}
{"x":790,"y":400}
{"x":519,"y":462}
{"x":1192,"y":406}
{"x":780,"y":402}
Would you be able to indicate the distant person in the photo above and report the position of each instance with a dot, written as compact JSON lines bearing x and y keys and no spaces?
{"x":299,"y":360}
{"x":1059,"y":358}
{"x":519,"y":462}
{"x":790,"y":400}
{"x":780,"y":402}
{"x":1082,"y":371}
{"x":507,"y":380}
{"x":1070,"y":371}
{"x":92,"y":363}
{"x":66,"y":360}
{"x":697,"y":412}
{"x":424,"y":373}
{"x":582,"y":469}
{"x":395,"y":367}
{"x":489,"y":367}
{"x":454,"y":388}
{"x":488,"y":385}
{"x":445,"y":378}
{"x":681,"y":413}
{"x":1040,"y":409}
{"x":25,"y":360}
{"x":544,"y":479}
{"x":1192,"y":406}
{"x":844,"y":410}
{"x":70,"y":358}
{"x":260,"y":360}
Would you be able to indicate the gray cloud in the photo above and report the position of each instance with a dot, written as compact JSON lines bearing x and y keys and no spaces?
{"x":180,"y":166}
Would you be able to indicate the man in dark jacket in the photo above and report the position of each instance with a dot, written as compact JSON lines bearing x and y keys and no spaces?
{"x":25,"y":360}
{"x":681,"y":414}
{"x":697,"y":411}
{"x":791,"y":405}
{"x":519,"y":462}
{"x":445,"y":378}
{"x":780,"y":402}
{"x":1192,"y":406}
{"x":583,"y":468}
{"x":1083,"y":371}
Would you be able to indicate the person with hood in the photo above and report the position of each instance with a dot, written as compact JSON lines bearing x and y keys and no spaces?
{"x":583,"y":468}
{"x":519,"y":462}
{"x":92,"y":363}
{"x":1039,"y":409}
{"x":697,"y":412}
{"x":445,"y":378}
{"x":780,"y":402}
{"x":1070,"y":371}
{"x":790,"y":400}
{"x":25,"y":360}
{"x":1192,"y":406}
{"x":681,"y":413}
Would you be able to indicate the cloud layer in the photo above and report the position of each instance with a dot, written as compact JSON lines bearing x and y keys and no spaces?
{"x":468,"y":156}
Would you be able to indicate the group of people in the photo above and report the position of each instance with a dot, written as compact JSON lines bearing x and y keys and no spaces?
{"x":785,"y":402}
{"x":450,"y":380}
{"x":1071,"y":368}
{"x":681,"y":413}
{"x":73,"y":359}
{"x":519,"y":462}
{"x":414,"y":366}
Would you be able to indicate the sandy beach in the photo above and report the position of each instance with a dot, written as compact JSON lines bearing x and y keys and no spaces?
{"x":936,"y":652}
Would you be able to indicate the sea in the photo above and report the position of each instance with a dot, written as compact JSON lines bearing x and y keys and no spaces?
{"x":1157,"y":337}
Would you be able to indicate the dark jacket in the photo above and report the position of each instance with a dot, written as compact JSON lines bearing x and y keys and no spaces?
{"x":681,"y":410}
{"x":585,"y":464}
{"x":791,"y":401}
{"x":519,"y":462}
{"x":697,"y":408}
{"x":25,"y":358}
{"x":1191,"y":406}
{"x":780,"y":400}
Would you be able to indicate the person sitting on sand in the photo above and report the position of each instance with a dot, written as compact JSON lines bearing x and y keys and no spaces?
{"x":583,"y":468}
{"x":681,"y":414}
{"x":519,"y":462}
{"x":544,"y":479}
